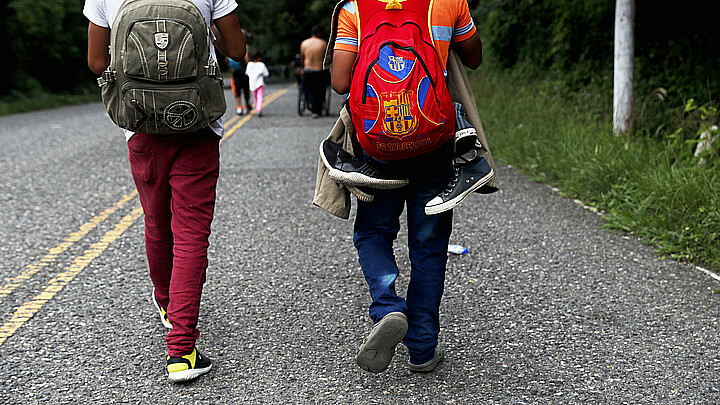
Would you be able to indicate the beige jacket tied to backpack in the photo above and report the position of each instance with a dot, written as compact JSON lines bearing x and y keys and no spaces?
{"x":335,"y":198}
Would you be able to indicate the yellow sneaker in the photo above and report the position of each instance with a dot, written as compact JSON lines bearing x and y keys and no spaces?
{"x":187,"y":367}
{"x":163,"y":313}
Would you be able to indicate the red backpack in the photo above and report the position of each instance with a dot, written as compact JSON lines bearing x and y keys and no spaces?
{"x":399,"y":102}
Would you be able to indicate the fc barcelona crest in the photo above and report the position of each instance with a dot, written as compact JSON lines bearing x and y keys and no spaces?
{"x":399,"y":119}
{"x":396,"y":63}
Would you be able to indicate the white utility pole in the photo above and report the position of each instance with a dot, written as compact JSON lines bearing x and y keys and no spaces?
{"x":624,"y":65}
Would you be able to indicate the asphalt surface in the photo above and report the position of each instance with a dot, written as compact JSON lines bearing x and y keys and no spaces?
{"x":547,"y":307}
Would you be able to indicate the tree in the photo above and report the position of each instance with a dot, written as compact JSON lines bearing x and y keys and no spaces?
{"x":276,"y":27}
{"x":43,"y":45}
{"x":623,"y":86}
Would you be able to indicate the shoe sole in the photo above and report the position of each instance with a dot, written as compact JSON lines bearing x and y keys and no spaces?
{"x":187,"y":375}
{"x":358,"y":179}
{"x":166,"y":324}
{"x":378,"y":350}
{"x":359,"y":194}
{"x":452,"y":203}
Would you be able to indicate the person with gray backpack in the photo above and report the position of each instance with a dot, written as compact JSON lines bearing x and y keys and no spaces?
{"x":161,"y":83}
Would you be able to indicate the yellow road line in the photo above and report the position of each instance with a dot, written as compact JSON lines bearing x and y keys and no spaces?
{"x":231,"y":131}
{"x":277,"y":93}
{"x":30,"y":308}
{"x":269,"y":99}
{"x":231,"y":121}
{"x":70,"y":240}
{"x":31,"y":269}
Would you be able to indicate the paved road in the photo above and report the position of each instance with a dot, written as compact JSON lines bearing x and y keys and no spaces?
{"x":546,"y":307}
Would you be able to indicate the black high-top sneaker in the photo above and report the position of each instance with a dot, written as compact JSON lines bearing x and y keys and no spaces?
{"x":465,"y":134}
{"x":345,"y":169}
{"x":470,"y":172}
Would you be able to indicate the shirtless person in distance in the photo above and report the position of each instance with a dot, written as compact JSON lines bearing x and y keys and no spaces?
{"x":312,"y":52}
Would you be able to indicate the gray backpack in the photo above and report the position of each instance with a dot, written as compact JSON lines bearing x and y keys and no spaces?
{"x":162,"y":78}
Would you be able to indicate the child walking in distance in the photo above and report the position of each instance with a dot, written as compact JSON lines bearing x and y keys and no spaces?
{"x":257,"y":72}
{"x":175,"y":169}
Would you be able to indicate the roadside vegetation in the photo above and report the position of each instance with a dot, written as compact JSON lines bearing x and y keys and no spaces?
{"x":544,"y":94}
{"x":648,"y":183}
{"x":19,"y":102}
{"x":44,"y":46}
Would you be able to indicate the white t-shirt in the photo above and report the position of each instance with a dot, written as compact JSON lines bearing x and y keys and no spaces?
{"x":102,"y":13}
{"x":256,"y":72}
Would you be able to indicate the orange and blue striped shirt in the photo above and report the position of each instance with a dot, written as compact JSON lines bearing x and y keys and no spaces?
{"x":450,"y":21}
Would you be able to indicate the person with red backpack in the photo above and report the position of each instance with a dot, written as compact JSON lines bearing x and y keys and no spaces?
{"x":391,"y":56}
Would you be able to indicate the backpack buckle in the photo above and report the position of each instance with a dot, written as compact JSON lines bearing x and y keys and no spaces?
{"x":108,"y":76}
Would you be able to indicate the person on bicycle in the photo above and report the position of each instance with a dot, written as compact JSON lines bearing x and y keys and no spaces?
{"x":315,"y":79}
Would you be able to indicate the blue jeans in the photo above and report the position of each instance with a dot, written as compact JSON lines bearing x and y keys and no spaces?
{"x":376,"y":227}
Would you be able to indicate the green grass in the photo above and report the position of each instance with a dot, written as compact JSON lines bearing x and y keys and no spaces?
{"x":23,"y":103}
{"x":41,"y":100}
{"x":643,"y":185}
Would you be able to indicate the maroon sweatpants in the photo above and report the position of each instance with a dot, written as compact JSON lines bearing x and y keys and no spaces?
{"x":176,"y":176}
